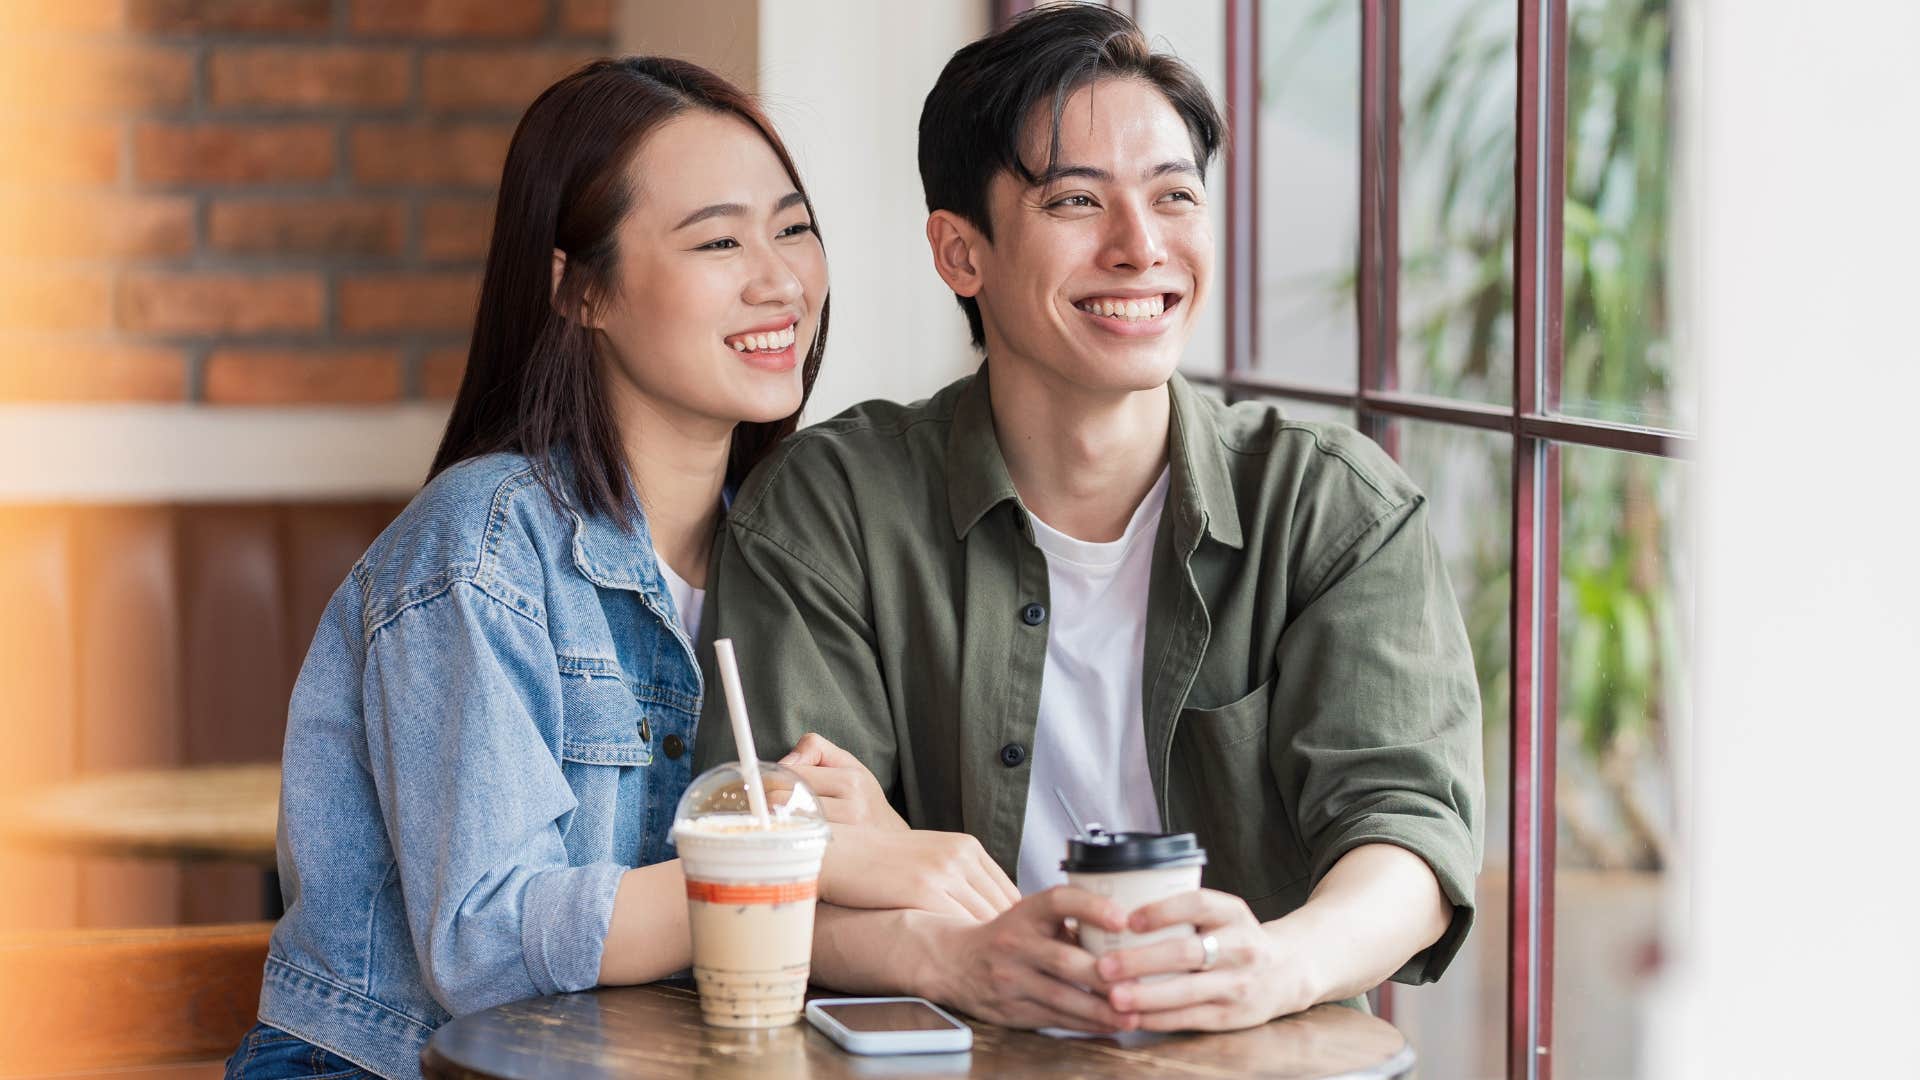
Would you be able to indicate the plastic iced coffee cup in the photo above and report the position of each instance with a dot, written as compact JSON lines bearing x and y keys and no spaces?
{"x":750,"y":895}
{"x":1132,"y":869}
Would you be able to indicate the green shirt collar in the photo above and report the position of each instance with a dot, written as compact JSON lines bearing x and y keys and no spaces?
{"x":1201,"y":492}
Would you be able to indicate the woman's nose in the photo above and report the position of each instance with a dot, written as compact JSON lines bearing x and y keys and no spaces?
{"x":773,"y":282}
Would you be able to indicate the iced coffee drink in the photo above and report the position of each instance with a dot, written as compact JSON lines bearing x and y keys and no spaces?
{"x":751,"y":891}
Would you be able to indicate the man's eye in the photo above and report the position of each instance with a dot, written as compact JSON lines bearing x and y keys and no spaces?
{"x":1074,"y":200}
{"x":797,"y":230}
{"x":721,"y":244}
{"x":1183,"y":193}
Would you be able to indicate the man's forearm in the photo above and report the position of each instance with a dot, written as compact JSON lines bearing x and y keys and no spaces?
{"x":1377,"y":907}
{"x":860,"y":951}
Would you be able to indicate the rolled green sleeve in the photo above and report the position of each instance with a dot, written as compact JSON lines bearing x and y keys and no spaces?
{"x":1376,"y":715}
{"x":807,"y":659}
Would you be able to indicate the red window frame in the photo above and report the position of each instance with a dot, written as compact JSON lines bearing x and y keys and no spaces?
{"x":1533,"y":422}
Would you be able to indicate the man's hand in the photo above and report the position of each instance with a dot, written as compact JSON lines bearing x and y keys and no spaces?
{"x":1379,"y":906}
{"x":1255,"y":977}
{"x":941,"y":872}
{"x":848,"y":793}
{"x":1025,"y":970}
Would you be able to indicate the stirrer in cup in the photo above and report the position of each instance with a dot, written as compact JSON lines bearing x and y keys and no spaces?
{"x":742,"y":731}
{"x":1072,"y":818}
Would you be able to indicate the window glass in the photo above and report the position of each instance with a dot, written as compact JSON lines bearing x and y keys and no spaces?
{"x":1458,"y":69}
{"x":1458,"y":1025}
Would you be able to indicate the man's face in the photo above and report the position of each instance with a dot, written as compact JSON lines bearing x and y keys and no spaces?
{"x":1096,"y":276}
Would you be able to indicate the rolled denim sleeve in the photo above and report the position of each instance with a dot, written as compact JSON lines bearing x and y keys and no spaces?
{"x":463,"y":717}
{"x":1376,"y":719}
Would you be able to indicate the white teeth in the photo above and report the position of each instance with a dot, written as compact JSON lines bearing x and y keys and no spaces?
{"x":768,"y":342}
{"x":1150,"y":308}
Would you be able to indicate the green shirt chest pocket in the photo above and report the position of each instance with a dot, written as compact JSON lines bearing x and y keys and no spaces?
{"x":1221,"y":787}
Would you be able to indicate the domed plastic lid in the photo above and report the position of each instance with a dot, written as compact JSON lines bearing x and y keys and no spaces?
{"x":717,"y":800}
{"x":723,"y":790}
{"x":719,"y":839}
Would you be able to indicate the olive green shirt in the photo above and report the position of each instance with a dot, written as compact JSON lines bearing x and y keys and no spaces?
{"x":1307,"y":681}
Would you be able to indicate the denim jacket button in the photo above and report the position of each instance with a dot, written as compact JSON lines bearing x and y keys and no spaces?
{"x":674,"y":745}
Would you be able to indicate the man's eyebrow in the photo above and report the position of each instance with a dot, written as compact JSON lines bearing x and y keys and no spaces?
{"x":734,"y":209}
{"x":1088,"y":172}
{"x":1064,"y":172}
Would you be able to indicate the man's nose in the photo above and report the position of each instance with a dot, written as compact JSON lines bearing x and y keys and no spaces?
{"x":1134,"y":241}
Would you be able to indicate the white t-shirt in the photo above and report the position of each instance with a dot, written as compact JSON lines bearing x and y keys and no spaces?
{"x":687,"y":600}
{"x":1091,"y":741}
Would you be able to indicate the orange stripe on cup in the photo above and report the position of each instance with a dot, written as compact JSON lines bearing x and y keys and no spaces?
{"x":732,"y":895}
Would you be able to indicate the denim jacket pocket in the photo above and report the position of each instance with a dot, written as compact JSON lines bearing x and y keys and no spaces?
{"x":603,"y":724}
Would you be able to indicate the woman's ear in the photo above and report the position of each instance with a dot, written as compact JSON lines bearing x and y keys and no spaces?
{"x":955,"y":242}
{"x":585,"y":316}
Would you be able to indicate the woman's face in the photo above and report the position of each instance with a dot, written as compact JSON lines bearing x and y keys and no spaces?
{"x":719,"y":279}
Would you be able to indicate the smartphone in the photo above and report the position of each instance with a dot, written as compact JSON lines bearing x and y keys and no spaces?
{"x":889,"y":1025}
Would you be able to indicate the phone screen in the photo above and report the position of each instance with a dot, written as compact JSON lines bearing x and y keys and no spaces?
{"x":888,"y":1016}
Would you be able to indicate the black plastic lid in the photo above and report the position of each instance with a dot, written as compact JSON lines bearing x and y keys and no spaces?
{"x":1105,"y":852}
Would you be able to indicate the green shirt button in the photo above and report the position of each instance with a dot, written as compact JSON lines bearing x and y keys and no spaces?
{"x":1033,"y":614}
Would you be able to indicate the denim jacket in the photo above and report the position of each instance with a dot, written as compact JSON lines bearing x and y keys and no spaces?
{"x":473,"y":757}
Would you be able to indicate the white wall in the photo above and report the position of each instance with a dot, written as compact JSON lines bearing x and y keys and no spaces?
{"x":843,"y":80}
{"x":1799,"y":937}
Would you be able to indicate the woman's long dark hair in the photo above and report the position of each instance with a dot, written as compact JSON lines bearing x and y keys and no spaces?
{"x":532,"y":384}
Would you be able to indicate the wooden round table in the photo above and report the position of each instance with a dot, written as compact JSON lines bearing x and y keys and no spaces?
{"x":655,"y":1031}
{"x":195,"y":812}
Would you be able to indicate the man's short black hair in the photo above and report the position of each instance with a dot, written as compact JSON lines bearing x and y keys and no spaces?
{"x":976,"y":113}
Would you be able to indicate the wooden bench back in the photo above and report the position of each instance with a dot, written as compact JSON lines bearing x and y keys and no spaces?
{"x":140,"y":637}
{"x":96,"y":999}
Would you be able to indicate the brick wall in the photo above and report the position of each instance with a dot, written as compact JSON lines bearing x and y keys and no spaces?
{"x":257,"y":202}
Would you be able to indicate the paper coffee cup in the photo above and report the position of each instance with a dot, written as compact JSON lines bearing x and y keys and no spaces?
{"x":751,"y":892}
{"x":1132,"y":869}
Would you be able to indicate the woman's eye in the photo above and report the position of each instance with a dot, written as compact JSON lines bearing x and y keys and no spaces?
{"x":721,"y":244}
{"x":798,"y":229}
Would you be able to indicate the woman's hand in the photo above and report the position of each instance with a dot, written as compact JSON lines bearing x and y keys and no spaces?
{"x":944,"y":873}
{"x":848,"y":793}
{"x":1255,"y":976}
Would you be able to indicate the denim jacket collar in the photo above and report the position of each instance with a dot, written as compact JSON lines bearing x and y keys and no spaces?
{"x":606,"y":551}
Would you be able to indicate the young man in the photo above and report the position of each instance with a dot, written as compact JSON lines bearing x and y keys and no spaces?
{"x":1072,"y":573}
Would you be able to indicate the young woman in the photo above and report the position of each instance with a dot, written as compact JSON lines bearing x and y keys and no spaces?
{"x":492,"y":727}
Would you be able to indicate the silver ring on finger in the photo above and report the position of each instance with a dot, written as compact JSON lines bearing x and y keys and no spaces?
{"x":1209,"y":952}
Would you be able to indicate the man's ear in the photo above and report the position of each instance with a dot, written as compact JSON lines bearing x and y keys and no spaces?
{"x":954,"y":241}
{"x":585,"y":315}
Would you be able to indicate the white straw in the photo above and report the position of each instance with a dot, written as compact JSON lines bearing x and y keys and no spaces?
{"x":742,"y":731}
